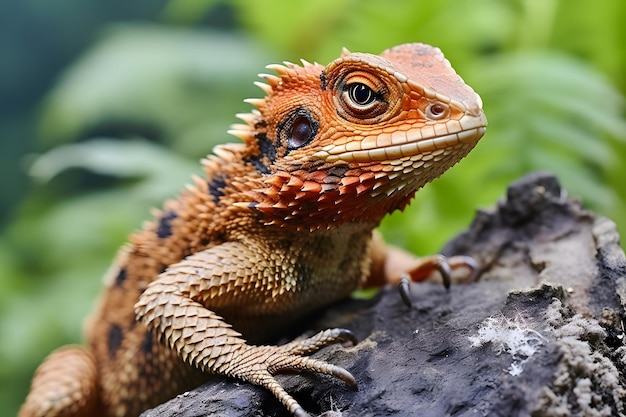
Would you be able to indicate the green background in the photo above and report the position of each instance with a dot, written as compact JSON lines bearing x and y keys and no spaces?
{"x":107,"y":106}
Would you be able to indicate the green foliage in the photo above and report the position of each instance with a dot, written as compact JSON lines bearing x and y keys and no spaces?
{"x":164,"y":82}
{"x":123,"y":128}
{"x":52,"y":256}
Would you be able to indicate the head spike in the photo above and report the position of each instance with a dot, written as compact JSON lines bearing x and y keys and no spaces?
{"x":244,"y":135}
{"x":305,"y":63}
{"x":256,"y":102}
{"x":270,"y":79}
{"x":344,"y":52}
{"x":279,"y":69}
{"x":239,"y":126}
{"x":265,"y":87}
{"x":243,"y":204}
{"x":249,"y":118}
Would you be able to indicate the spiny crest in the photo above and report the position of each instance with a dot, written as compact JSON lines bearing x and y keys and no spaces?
{"x":245,"y":132}
{"x":286,"y":73}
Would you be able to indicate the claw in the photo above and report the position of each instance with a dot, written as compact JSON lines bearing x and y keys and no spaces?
{"x":444,"y":265}
{"x":299,"y":412}
{"x":404,"y":289}
{"x":468,"y":262}
{"x":345,"y":376}
{"x":345,"y":335}
{"x":446,"y":273}
{"x":259,"y":364}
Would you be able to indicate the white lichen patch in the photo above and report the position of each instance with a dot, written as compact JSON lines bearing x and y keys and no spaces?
{"x":586,"y":383}
{"x":512,"y":336}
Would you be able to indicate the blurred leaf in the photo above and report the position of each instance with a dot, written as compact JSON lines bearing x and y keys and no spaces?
{"x":105,"y":217}
{"x":158,"y":168}
{"x":318,"y":30}
{"x":553,"y":113}
{"x":602,"y":44}
{"x":188,"y":11}
{"x":60,"y":250}
{"x":181,"y":84}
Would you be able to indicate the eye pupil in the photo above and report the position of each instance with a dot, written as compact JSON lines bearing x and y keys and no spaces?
{"x":301,"y":132}
{"x":361,"y":94}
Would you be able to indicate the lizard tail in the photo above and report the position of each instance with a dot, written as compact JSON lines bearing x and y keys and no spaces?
{"x":64,"y":385}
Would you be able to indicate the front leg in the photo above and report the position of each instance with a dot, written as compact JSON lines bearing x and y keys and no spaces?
{"x":180,"y":306}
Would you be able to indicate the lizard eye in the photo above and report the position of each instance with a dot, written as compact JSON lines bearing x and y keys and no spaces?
{"x":362,"y":101}
{"x":361,"y":97}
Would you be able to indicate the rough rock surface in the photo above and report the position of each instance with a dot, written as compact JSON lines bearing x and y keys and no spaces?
{"x":541,"y":333}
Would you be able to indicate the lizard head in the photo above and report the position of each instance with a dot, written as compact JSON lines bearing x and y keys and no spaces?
{"x":354,"y":140}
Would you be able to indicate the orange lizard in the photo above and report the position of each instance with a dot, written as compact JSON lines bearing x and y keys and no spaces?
{"x":280,"y":225}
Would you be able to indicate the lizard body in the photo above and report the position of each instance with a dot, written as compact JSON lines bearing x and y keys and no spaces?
{"x":279,"y":225}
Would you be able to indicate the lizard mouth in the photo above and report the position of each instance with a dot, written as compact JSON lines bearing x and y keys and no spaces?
{"x":401,"y":144}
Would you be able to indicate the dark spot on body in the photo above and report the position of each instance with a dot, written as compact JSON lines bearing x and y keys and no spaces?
{"x":114,"y":339}
{"x":323,"y":82}
{"x":260,"y":124}
{"x":165,"y":227}
{"x":148,"y":341}
{"x":121,"y":277}
{"x":259,"y":165}
{"x":331,"y":179}
{"x":266,"y":147}
{"x":216,"y":186}
{"x":266,"y":156}
{"x":303,"y":272}
{"x":338,"y":171}
{"x":284,"y":245}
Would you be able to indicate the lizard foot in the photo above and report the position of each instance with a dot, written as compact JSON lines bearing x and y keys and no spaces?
{"x":440,"y":263}
{"x":259,"y":364}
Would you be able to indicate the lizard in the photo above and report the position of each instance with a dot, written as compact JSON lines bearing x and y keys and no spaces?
{"x":280,"y":225}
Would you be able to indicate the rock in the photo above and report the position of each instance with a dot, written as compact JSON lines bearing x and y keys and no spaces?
{"x":541,"y":333}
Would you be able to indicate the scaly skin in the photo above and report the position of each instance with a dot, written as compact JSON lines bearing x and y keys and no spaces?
{"x":280,"y":225}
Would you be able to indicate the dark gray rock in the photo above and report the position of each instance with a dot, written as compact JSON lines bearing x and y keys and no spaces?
{"x":540,"y":333}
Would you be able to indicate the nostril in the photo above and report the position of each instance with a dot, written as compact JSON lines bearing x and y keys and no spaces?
{"x":474,"y":107}
{"x":436,"y":110}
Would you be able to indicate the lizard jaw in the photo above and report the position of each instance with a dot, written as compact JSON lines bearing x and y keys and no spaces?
{"x":407,"y":143}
